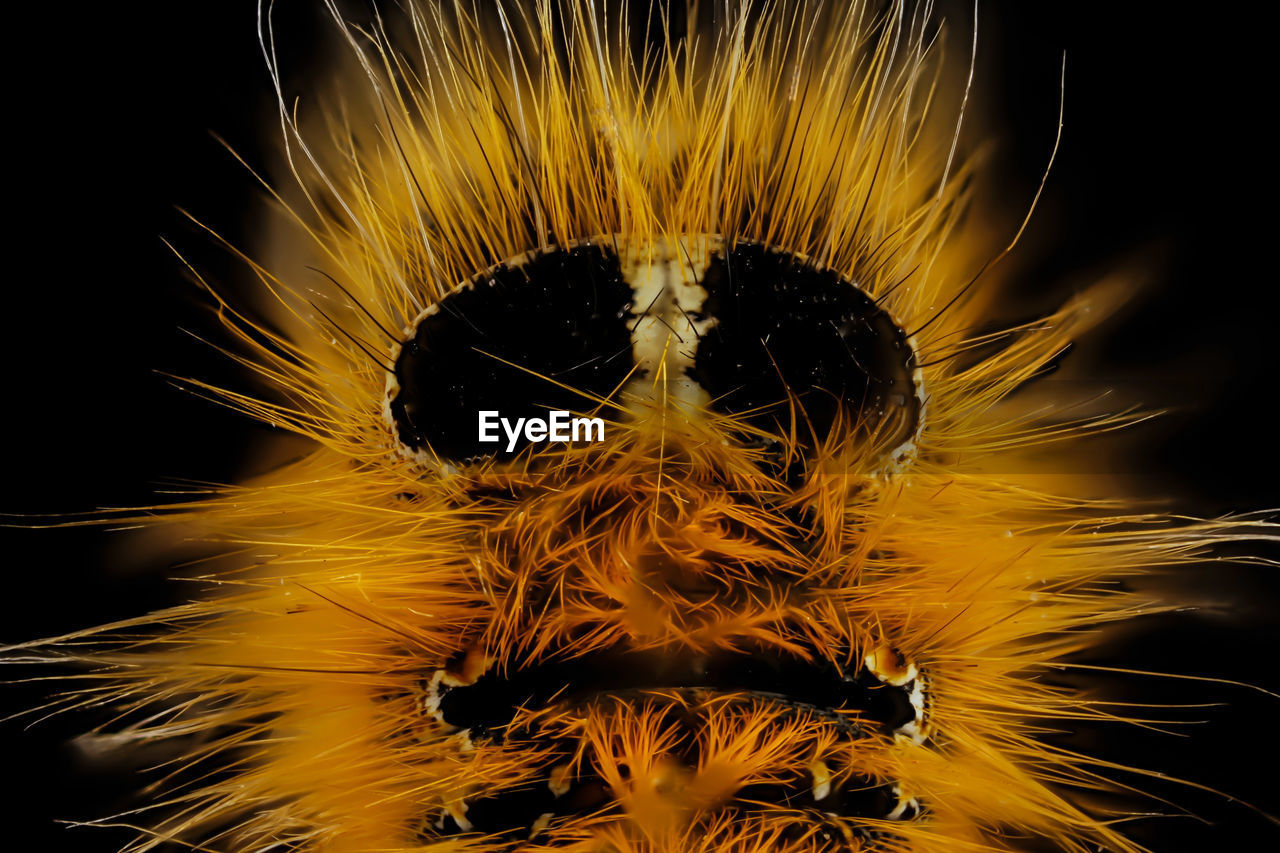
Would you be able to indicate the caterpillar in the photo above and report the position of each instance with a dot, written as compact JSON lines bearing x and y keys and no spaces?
{"x":809,"y":590}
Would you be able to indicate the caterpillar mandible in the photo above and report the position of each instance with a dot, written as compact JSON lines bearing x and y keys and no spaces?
{"x":799,"y":585}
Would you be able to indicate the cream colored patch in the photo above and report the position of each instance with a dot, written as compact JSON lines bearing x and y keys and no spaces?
{"x":543,"y":821}
{"x":904,"y":805}
{"x":667,"y":320}
{"x":917,"y":730}
{"x":821,"y":780}
{"x":890,"y":666}
{"x":559,"y":780}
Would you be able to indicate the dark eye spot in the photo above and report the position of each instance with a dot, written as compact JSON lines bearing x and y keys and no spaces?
{"x":785,"y":328}
{"x":522,"y":339}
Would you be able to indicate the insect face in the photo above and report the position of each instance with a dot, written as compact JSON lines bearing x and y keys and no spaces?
{"x":751,"y":331}
{"x":660,"y":591}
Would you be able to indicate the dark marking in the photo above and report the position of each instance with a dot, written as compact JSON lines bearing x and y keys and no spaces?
{"x":561,"y":316}
{"x":514,"y":811}
{"x":487,"y":707}
{"x":784,"y":326}
{"x":857,"y":797}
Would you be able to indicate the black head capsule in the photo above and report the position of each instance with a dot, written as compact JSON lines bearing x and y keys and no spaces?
{"x":747,"y":330}
{"x":541,"y":334}
{"x":786,"y":330}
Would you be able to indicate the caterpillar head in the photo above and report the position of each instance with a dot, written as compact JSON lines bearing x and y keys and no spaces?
{"x":657,"y":639}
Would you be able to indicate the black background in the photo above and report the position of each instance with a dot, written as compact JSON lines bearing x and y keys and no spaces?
{"x":1164,"y":158}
